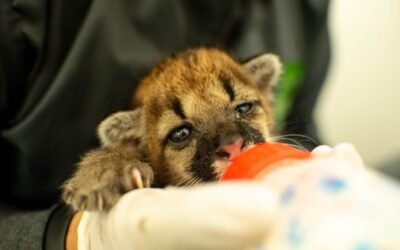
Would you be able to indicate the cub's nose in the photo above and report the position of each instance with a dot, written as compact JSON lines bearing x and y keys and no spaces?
{"x":230,"y":148}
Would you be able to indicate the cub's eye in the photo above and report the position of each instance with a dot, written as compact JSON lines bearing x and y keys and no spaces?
{"x":243,"y":108}
{"x":180,"y":134}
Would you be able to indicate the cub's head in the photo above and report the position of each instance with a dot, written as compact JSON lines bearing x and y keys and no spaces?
{"x":195,"y":112}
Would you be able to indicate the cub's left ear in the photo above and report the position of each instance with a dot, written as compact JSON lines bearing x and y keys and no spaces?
{"x":265,"y":71}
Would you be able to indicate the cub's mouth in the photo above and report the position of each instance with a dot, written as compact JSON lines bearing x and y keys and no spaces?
{"x":212,"y":157}
{"x":227,"y":153}
{"x":210,"y":162}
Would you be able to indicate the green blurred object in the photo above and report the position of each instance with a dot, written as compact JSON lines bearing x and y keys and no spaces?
{"x":286,"y":91}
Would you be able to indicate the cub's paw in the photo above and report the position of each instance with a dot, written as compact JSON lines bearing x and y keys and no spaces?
{"x":99,"y":188}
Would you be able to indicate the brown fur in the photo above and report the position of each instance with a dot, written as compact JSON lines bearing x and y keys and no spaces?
{"x":200,"y":90}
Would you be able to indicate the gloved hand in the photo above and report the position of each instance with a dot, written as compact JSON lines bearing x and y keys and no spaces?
{"x":332,"y":201}
{"x":215,"y":216}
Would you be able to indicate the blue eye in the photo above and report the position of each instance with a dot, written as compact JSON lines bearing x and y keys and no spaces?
{"x":180,"y":134}
{"x":243,"y":108}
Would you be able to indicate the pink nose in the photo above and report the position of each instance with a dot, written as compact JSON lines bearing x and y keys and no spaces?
{"x":230,"y":151}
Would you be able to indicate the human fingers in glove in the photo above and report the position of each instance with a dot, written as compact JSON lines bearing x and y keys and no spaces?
{"x":215,"y":216}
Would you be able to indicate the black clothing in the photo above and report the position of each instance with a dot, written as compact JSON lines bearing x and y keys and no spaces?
{"x":66,"y":64}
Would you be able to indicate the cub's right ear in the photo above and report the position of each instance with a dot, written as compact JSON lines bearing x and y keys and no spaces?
{"x":121,"y":127}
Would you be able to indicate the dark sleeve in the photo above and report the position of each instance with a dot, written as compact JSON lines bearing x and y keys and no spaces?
{"x":41,"y":229}
{"x":22,"y":230}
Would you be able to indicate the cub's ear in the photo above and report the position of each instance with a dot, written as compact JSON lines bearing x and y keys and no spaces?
{"x":265,"y":71}
{"x":121,"y":127}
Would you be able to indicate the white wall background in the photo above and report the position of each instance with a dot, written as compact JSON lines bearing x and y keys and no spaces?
{"x":360,"y":102}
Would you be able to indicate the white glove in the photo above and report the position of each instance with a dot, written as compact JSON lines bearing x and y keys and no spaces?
{"x":332,"y":201}
{"x":214,"y":216}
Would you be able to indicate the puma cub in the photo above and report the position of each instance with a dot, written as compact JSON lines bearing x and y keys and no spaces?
{"x":191,"y":115}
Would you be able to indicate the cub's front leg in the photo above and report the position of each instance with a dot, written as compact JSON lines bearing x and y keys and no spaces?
{"x":103,"y":176}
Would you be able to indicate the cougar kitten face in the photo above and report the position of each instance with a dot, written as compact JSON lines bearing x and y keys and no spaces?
{"x":191,"y":116}
{"x":195,"y":112}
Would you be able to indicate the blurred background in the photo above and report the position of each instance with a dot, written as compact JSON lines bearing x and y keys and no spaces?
{"x":360,"y":100}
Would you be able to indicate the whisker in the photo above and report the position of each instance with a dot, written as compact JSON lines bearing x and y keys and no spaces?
{"x":304,"y":137}
{"x":191,"y":182}
{"x":183,"y":180}
{"x":187,"y":182}
{"x":196,"y":180}
{"x":294,"y":140}
{"x":295,"y":144}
